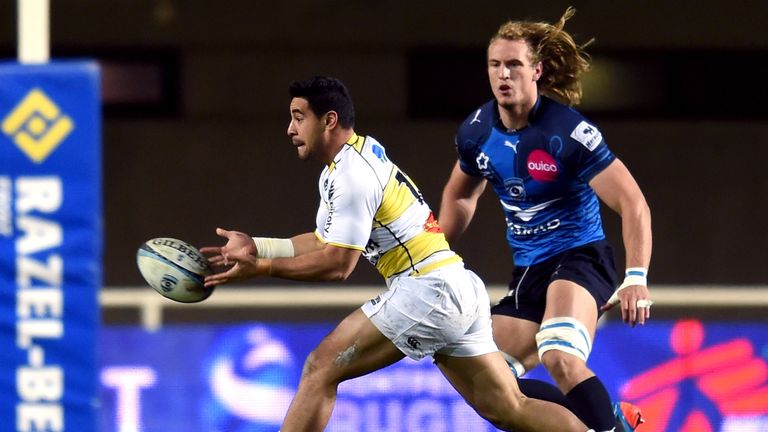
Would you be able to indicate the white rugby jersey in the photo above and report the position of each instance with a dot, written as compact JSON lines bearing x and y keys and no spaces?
{"x":368,"y":204}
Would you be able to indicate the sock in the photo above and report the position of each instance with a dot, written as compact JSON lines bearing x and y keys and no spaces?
{"x":543,"y":390}
{"x":590,"y":401}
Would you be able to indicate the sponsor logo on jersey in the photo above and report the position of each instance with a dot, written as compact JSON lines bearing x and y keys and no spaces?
{"x":379,"y":151}
{"x":522,"y":230}
{"x":476,"y":119}
{"x":542,"y":166}
{"x":431,"y":225}
{"x":482,"y":161}
{"x":587,"y":135}
{"x":512,"y":145}
{"x":515,"y":188}
{"x":329,"y":218}
{"x":527,"y":214}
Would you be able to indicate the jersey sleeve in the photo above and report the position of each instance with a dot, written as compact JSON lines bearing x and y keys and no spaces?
{"x":586,"y":152}
{"x":468,"y":139}
{"x":352,"y":203}
{"x":471,"y":136}
{"x":467,"y":155}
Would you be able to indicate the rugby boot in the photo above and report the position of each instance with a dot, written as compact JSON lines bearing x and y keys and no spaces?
{"x":628,"y":416}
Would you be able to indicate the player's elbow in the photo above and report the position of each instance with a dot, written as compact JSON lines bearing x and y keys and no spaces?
{"x":337,"y":277}
{"x":340,"y":271}
{"x":338,"y":274}
{"x":641,"y":209}
{"x":336,"y":263}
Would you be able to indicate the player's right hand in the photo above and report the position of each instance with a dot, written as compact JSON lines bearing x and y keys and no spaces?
{"x":635,"y":304}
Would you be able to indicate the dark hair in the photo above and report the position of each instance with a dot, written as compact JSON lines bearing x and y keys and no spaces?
{"x":326,"y":94}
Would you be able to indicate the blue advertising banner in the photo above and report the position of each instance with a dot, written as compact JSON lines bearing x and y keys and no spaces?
{"x":687,"y":376}
{"x":50,"y":245}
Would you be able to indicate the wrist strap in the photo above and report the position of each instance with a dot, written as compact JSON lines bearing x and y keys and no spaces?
{"x":632,"y":276}
{"x":635,"y":276}
{"x":636,"y":271}
{"x":267,"y":247}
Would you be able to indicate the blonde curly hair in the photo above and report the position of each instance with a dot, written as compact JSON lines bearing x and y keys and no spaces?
{"x":562,"y":59}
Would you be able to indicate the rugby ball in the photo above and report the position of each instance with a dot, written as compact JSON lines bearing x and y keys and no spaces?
{"x":174,"y":268}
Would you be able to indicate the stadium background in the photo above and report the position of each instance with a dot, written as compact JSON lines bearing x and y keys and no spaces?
{"x":195,"y":112}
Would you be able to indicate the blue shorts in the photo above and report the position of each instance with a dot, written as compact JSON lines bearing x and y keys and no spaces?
{"x":592,"y":266}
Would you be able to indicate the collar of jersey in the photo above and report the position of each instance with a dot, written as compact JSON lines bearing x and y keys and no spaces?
{"x":531,"y":117}
{"x":353,"y":141}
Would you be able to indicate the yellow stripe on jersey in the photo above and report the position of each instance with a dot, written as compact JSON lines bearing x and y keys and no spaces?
{"x":345,"y":246}
{"x":397,"y":198}
{"x":412,"y":252}
{"x":341,"y":245}
{"x":436,"y":265}
{"x":356,"y":141}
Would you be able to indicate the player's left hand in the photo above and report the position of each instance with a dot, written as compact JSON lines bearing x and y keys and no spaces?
{"x":236,"y":260}
{"x":635,"y":304}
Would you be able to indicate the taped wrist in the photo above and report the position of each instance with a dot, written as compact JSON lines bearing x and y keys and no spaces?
{"x":635,"y":276}
{"x":632,"y":276}
{"x":267,"y":247}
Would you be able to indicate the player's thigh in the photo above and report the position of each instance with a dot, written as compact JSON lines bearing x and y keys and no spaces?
{"x":516,"y":337}
{"x":484,"y":381}
{"x":569,"y":299}
{"x":354,"y":348}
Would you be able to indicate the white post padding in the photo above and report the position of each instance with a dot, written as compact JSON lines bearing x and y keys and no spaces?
{"x":33,"y":31}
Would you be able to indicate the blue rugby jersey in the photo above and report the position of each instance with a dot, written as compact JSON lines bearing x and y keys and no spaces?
{"x":541,"y":175}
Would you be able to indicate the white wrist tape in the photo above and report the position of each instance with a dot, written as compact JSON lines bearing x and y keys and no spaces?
{"x":632,"y":276}
{"x":267,"y":247}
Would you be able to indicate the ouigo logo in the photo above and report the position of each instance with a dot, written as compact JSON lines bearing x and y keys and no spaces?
{"x":37,"y":125}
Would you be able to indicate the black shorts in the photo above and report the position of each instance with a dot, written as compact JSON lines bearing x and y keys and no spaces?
{"x":592,"y":266}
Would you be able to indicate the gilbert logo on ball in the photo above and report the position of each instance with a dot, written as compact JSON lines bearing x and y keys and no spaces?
{"x":174,"y":268}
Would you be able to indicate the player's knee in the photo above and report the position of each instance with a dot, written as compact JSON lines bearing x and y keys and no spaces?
{"x":310,"y":366}
{"x":316,"y":369}
{"x":564,"y":346}
{"x":563,"y":367}
{"x":329,"y":364}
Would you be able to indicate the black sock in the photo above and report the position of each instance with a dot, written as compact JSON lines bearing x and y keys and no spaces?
{"x":590,"y":401}
{"x":543,"y":390}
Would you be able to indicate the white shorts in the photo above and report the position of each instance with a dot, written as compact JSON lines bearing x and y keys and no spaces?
{"x":446,"y":311}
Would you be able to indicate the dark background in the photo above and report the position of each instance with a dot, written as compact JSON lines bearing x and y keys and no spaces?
{"x":196,"y":110}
